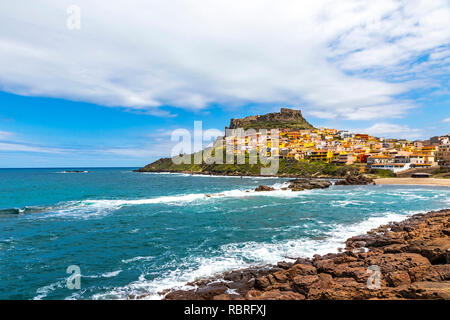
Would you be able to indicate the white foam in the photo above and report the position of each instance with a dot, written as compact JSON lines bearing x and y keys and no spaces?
{"x":345,"y":203}
{"x":111,"y":274}
{"x":235,"y":256}
{"x":211,"y":175}
{"x":46,"y":290}
{"x":139,"y":258}
{"x":90,"y":208}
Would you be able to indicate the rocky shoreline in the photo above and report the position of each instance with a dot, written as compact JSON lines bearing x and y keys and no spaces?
{"x":400,"y":260}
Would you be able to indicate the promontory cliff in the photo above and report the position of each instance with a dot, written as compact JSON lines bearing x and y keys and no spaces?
{"x":286,"y":119}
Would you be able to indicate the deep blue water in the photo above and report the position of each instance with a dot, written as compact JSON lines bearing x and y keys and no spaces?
{"x":133,"y":233}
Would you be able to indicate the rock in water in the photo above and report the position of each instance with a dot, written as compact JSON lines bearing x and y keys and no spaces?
{"x":308,"y":184}
{"x":355,"y":180}
{"x":400,"y":260}
{"x":264,"y":188}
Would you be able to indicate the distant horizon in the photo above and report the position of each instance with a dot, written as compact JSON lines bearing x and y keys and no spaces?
{"x":126,"y":167}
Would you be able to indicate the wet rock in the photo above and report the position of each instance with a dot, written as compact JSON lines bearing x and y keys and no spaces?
{"x":304,"y":261}
{"x":412,"y":257}
{"x":264,"y":188}
{"x":308,"y":184}
{"x":207,"y":293}
{"x":284,"y":265}
{"x":355,"y":180}
{"x":262,"y":283}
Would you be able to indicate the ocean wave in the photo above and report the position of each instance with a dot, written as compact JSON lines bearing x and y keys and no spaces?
{"x":111,"y":274}
{"x":44,"y":291}
{"x":64,"y":172}
{"x":212,"y":175}
{"x":138,"y":258}
{"x":241,"y":255}
{"x":345,"y":203}
{"x":89,"y":208}
{"x":99,"y":207}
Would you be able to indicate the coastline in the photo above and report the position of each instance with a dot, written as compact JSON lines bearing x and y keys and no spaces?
{"x":237,"y":175}
{"x":414,"y":181}
{"x":411,"y":256}
{"x":379,"y":181}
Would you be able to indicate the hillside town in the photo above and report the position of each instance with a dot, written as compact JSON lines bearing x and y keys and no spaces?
{"x":344,"y":147}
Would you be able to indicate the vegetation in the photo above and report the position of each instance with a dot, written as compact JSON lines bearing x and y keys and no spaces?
{"x":292,"y":167}
{"x":442,"y":173}
{"x":295,"y":125}
{"x":383,"y":173}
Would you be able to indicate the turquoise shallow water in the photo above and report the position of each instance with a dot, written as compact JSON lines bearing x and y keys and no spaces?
{"x":134,"y":233}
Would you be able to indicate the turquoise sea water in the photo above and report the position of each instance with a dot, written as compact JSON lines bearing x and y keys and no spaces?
{"x":133,"y":233}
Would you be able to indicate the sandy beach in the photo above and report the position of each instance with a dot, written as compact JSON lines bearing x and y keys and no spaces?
{"x":415,"y":181}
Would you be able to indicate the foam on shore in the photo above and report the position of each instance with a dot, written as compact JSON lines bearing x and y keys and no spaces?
{"x":236,"y":256}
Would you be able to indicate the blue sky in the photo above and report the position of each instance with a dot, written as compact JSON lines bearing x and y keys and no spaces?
{"x":111,"y":92}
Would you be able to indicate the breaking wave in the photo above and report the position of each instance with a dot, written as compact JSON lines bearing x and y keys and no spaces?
{"x":241,"y":255}
{"x":102,"y":206}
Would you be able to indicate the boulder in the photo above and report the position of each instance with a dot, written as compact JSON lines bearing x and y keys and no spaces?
{"x":412,"y":256}
{"x":426,"y":290}
{"x":308,"y":184}
{"x":264,"y":188}
{"x":355,"y":180}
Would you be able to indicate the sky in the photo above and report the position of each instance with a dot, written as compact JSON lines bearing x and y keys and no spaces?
{"x":95,"y":83}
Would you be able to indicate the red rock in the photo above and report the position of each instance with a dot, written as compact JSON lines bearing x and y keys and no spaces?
{"x":426,"y":290}
{"x":326,"y":265}
{"x":262,"y":283}
{"x":281,"y":276}
{"x":398,"y":278}
{"x":397,"y":262}
{"x":301,"y":269}
{"x":303,"y":283}
{"x":443,"y":270}
{"x":424,"y":273}
{"x":279,"y":295}
{"x":413,"y":257}
{"x":264,"y":188}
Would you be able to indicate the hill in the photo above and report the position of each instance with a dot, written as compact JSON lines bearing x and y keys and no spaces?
{"x":285,"y":119}
{"x":287,"y":168}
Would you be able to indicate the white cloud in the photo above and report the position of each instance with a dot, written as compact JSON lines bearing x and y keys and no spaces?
{"x":190,"y":54}
{"x":392,"y":131}
{"x":21,"y":147}
{"x":446,"y":120}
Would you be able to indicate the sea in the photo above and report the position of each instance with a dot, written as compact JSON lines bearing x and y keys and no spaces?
{"x":111,"y":233}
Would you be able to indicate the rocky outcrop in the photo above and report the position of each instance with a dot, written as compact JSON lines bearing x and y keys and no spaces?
{"x":355,"y":180}
{"x":308,"y":184}
{"x":264,"y":188}
{"x":402,"y":260}
{"x":286,"y":118}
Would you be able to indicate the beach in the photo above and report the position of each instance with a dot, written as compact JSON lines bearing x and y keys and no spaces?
{"x":414,"y":181}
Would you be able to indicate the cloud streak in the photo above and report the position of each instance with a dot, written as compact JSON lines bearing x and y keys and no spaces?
{"x":390,"y":130}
